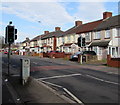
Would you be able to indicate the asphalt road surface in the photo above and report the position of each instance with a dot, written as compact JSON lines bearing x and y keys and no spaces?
{"x":87,"y":85}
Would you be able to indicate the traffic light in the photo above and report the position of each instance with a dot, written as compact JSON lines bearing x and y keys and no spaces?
{"x":79,"y":41}
{"x":83,"y":42}
{"x":15,"y":34}
{"x":10,"y":34}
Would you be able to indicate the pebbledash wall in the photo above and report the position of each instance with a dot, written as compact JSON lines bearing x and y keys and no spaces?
{"x":113,"y":62}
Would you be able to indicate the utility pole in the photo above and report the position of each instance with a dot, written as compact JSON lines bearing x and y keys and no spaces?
{"x":39,"y":50}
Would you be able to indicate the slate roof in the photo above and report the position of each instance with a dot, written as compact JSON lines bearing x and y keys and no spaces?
{"x":37,"y":37}
{"x":72,"y":30}
{"x":83,"y":28}
{"x":89,"y":26}
{"x":109,"y":23}
{"x":54,"y":33}
{"x":27,"y":40}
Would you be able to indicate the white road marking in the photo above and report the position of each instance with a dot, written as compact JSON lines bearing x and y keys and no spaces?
{"x":102,"y":80}
{"x":112,"y":82}
{"x":60,"y":76}
{"x":66,"y":90}
{"x":112,"y":73}
{"x":94,"y":77}
{"x":52,"y":84}
{"x":73,"y":96}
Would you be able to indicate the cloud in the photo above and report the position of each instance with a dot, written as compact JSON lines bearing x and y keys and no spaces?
{"x":90,"y":11}
{"x":60,"y":0}
{"x":22,"y":36}
{"x":48,"y":13}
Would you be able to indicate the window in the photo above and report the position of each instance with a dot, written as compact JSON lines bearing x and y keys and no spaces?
{"x":107,"y":34}
{"x":68,"y":38}
{"x":113,"y":51}
{"x":51,"y":40}
{"x":48,"y":41}
{"x":87,"y":36}
{"x":63,"y":40}
{"x":95,"y":49}
{"x":118,"y":31}
{"x":97,"y":35}
{"x":58,"y":40}
{"x":74,"y":38}
{"x":109,"y":50}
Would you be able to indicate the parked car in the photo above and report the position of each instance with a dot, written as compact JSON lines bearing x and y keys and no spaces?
{"x":84,"y":53}
{"x":88,"y":53}
{"x":55,"y":54}
{"x":75,"y":56}
{"x":5,"y":52}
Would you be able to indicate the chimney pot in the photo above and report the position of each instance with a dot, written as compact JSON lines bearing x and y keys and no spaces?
{"x":107,"y":14}
{"x":57,"y":28}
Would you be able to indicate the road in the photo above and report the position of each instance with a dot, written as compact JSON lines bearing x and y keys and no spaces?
{"x":89,"y":86}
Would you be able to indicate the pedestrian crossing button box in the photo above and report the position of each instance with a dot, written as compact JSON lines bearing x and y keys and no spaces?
{"x":25,"y":70}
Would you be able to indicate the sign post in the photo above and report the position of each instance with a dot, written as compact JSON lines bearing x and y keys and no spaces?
{"x":9,"y":60}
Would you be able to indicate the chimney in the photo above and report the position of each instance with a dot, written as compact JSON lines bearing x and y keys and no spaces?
{"x":27,"y":38}
{"x":46,"y":32}
{"x":107,"y":14}
{"x":57,"y":28}
{"x":77,"y":23}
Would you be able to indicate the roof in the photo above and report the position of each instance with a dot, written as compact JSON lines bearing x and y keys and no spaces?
{"x":37,"y":37}
{"x":83,"y":28}
{"x":89,"y":26}
{"x":54,"y":33}
{"x":109,"y":23}
{"x":26,"y":40}
{"x":72,"y":30}
{"x":100,"y":43}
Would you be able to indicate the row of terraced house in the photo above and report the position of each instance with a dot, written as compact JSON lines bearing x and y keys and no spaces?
{"x":101,"y":36}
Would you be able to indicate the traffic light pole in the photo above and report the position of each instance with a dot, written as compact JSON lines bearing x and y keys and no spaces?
{"x":9,"y":60}
{"x":10,"y":37}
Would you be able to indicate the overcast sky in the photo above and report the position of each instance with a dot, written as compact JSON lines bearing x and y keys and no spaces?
{"x":25,"y":15}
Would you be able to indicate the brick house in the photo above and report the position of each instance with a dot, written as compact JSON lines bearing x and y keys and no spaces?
{"x":49,"y":41}
{"x":24,"y":47}
{"x":34,"y":47}
{"x":86,"y":32}
{"x":106,"y":37}
{"x":68,"y":41}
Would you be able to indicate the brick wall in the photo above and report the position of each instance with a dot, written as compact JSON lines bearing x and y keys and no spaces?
{"x":113,"y":62}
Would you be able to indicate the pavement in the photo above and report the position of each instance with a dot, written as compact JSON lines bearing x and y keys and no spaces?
{"x":32,"y":92}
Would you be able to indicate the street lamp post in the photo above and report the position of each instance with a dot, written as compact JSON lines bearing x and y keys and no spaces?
{"x":40,"y":41}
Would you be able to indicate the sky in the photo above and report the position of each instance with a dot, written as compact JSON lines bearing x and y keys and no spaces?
{"x":33,"y":17}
